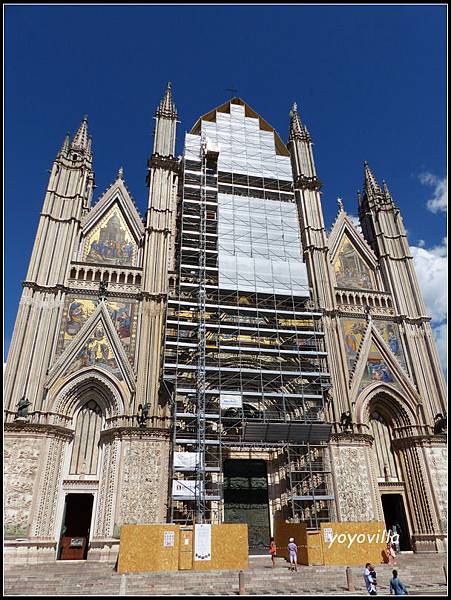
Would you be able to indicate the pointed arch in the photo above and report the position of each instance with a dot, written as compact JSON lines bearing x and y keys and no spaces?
{"x":398,"y":408}
{"x":70,"y":395}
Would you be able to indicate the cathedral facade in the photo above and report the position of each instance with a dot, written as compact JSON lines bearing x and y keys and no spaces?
{"x":224,"y":358}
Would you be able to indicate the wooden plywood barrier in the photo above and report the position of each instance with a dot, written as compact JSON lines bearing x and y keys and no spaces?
{"x":353,"y":543}
{"x":229,"y":548}
{"x":335,"y":544}
{"x":282,"y":533}
{"x":153,"y":548}
{"x":145,"y":548}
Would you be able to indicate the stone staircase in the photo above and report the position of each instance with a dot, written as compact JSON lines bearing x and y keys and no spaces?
{"x":422,"y":574}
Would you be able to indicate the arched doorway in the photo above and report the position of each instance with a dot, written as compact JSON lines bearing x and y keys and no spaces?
{"x":83,"y":467}
{"x":89,"y":404}
{"x":384,"y":417}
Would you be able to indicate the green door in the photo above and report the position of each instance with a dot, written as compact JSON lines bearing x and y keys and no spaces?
{"x":246,"y":500}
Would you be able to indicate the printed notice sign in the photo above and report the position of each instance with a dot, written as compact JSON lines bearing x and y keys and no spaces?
{"x":328,"y":535}
{"x":231,"y":400}
{"x":202,"y":542}
{"x":168,"y":539}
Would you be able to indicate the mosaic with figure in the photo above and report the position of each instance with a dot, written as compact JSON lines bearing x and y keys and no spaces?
{"x":78,"y":310}
{"x":353,"y":333}
{"x":376,"y":369}
{"x":390,"y":332}
{"x":111,"y":242}
{"x":96,"y":351}
{"x":351,"y":271}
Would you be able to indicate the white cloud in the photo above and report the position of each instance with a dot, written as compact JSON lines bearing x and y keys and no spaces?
{"x":431,"y":268}
{"x":439,"y":200}
{"x":355,"y":221}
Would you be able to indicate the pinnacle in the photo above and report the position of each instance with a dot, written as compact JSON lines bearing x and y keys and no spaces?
{"x":120,"y":173}
{"x":371,"y":186}
{"x":66,"y":144}
{"x":81,"y":139}
{"x":296,"y":128}
{"x":166,"y":108}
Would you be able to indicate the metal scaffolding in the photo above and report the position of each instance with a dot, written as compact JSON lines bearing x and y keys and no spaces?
{"x":248,"y":367}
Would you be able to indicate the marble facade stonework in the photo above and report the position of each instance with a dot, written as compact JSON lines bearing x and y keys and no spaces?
{"x":21,"y":463}
{"x":354,"y":478}
{"x":437,"y":461}
{"x":143,"y":485}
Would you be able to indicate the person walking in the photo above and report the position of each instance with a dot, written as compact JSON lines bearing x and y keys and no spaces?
{"x":369,"y":575}
{"x":273,"y":552}
{"x":396,"y":586}
{"x":391,"y":554}
{"x":293,"y":554}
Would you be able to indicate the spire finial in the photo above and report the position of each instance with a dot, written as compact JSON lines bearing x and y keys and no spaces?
{"x":340,"y":204}
{"x":371,"y":186}
{"x":66,"y":144}
{"x":166,"y":108}
{"x":120,"y":173}
{"x":297,"y":130}
{"x":80,"y":141}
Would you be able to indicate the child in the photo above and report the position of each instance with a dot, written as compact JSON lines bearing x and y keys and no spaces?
{"x":273,"y":551}
{"x":396,"y":586}
{"x":293,"y":554}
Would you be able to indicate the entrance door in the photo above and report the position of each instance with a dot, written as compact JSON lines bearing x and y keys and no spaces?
{"x":246,"y":500}
{"x":186,"y":548}
{"x":395,"y":516}
{"x":75,"y":530}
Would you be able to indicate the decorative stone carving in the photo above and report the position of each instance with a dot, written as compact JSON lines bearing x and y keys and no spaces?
{"x":144,"y":481}
{"x":352,"y":478}
{"x":21,"y":462}
{"x":437,"y":460}
{"x":44,"y":521}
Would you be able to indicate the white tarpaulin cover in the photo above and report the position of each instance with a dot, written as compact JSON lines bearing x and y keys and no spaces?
{"x":185,"y":487}
{"x":188,"y":460}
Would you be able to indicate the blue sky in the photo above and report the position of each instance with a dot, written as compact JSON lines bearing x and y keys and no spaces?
{"x":370,"y":83}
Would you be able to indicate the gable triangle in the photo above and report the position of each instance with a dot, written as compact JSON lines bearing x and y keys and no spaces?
{"x":97,"y":345}
{"x":377,"y":364}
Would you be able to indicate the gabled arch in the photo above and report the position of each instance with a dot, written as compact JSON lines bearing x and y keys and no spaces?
{"x":117,"y":192}
{"x":344,"y":231}
{"x":69,"y":396}
{"x":373,"y":337}
{"x":100,"y":318}
{"x":398,"y":408}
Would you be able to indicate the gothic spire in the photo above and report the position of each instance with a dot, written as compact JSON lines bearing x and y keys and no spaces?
{"x":371,"y":186}
{"x":66,"y":144}
{"x":386,"y":190}
{"x":81,"y":139}
{"x":296,"y":130}
{"x":166,"y":108}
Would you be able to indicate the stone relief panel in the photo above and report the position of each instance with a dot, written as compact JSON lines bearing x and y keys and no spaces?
{"x":21,"y":462}
{"x":353,"y":481}
{"x":144,"y":482}
{"x":437,"y":459}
